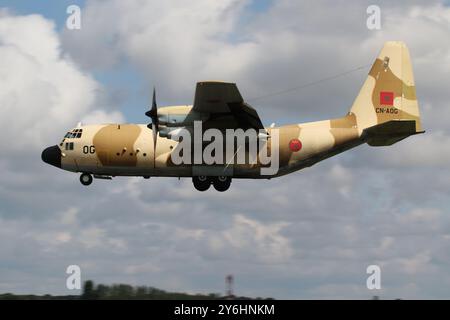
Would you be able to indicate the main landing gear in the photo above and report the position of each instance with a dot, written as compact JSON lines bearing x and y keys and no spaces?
{"x":220,"y":183}
{"x":86,"y":179}
{"x":201,"y":183}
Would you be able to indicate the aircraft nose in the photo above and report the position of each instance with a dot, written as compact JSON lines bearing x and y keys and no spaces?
{"x":52,"y":155}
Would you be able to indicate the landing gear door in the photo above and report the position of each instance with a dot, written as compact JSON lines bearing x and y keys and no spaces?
{"x":212,"y":171}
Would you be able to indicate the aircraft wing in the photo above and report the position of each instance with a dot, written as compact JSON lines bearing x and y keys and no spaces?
{"x":225,"y":107}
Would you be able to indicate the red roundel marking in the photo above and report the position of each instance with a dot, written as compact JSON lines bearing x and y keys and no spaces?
{"x":295,"y":145}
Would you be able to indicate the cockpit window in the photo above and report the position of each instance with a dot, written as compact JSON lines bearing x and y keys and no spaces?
{"x":74,"y":134}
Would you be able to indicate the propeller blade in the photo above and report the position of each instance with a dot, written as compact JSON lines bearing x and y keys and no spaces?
{"x":153,"y":114}
{"x":155,"y":137}
{"x":154,"y":106}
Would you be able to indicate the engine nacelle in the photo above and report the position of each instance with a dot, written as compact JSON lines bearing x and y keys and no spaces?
{"x":179,"y":116}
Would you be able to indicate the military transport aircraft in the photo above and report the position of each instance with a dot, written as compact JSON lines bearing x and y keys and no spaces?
{"x":384,"y":112}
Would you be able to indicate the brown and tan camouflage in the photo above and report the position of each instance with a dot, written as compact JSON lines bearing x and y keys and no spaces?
{"x":384,"y":112}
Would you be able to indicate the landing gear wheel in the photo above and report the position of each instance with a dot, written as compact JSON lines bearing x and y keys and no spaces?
{"x":221,"y":183}
{"x":86,"y":179}
{"x":201,"y":183}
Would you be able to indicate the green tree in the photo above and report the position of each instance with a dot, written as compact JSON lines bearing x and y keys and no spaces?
{"x":89,"y":292}
{"x":102,"y":291}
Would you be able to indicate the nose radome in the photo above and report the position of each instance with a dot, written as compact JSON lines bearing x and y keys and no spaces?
{"x":52,"y":155}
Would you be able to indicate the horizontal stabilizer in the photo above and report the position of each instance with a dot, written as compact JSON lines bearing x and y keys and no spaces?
{"x":388,"y":133}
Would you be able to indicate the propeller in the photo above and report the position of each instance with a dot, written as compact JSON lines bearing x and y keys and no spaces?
{"x":153,"y":114}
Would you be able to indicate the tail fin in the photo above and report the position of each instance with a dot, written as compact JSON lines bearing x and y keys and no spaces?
{"x":386,"y":108}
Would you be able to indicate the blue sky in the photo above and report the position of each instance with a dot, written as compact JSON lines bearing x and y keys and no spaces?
{"x":53,"y":10}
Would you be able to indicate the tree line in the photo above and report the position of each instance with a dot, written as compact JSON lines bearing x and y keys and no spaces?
{"x":92,"y":291}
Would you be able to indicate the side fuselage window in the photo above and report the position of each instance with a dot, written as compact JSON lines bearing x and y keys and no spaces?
{"x":69,"y":146}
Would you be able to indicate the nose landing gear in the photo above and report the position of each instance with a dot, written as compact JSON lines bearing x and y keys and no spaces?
{"x":86,"y":179}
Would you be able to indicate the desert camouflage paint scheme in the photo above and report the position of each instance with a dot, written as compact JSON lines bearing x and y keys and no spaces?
{"x":384,"y":112}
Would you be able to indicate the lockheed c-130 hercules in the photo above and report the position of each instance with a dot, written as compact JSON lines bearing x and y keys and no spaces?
{"x":384,"y":112}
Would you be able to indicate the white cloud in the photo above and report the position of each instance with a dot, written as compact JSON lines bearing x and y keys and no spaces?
{"x":421,"y":215}
{"x":415,"y":264}
{"x":262,"y":241}
{"x":101,"y":116}
{"x":431,"y":149}
{"x":69,"y":217}
{"x":343,"y":179}
{"x":92,"y":237}
{"x":43,"y":92}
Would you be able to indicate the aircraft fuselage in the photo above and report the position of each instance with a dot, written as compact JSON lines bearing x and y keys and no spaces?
{"x":127,"y":150}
